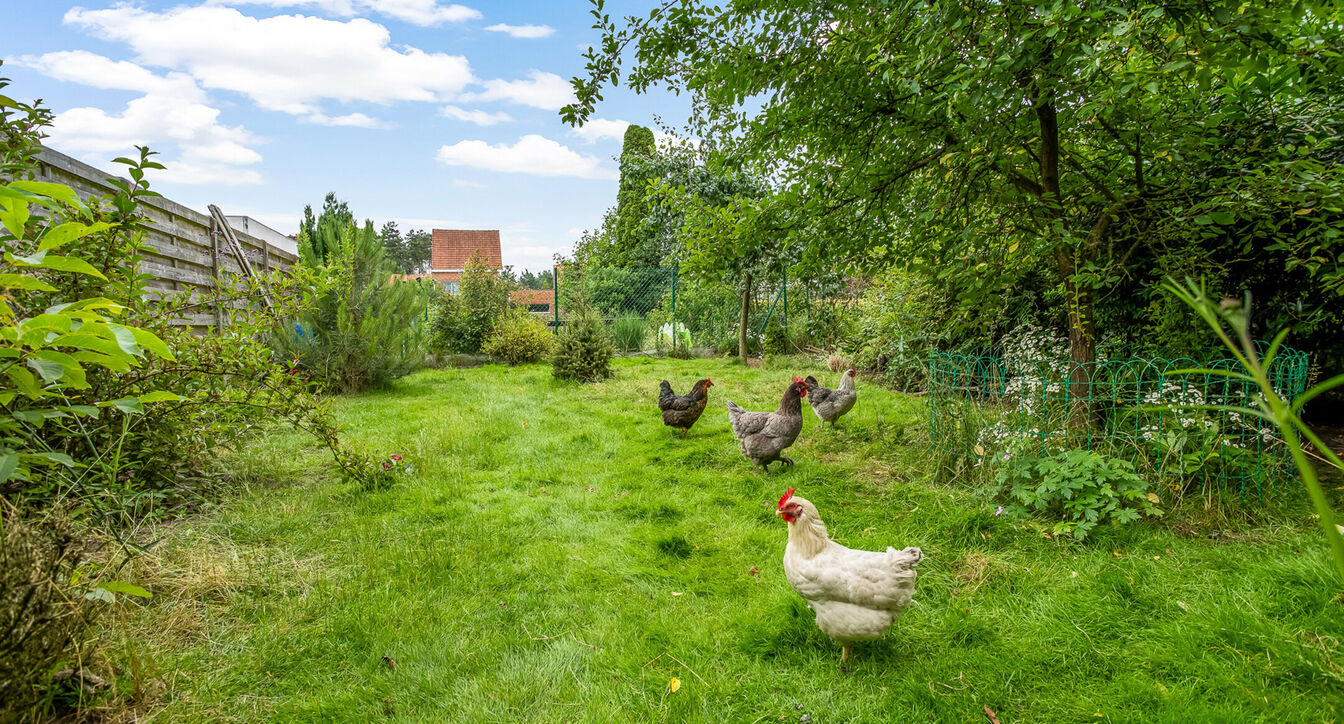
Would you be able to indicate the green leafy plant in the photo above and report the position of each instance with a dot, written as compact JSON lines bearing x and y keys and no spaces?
{"x":520,"y":337}
{"x":1230,"y":319}
{"x":584,"y":350}
{"x":1081,"y":489}
{"x":461,"y":323}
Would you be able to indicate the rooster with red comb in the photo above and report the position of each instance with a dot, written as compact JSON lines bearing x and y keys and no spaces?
{"x":765,"y":435}
{"x":857,"y":595}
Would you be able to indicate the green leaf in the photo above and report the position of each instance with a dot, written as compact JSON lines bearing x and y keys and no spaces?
{"x":68,"y":232}
{"x":9,"y":462}
{"x":125,"y":339}
{"x":69,"y":264}
{"x":25,"y":381}
{"x":149,"y":341}
{"x":128,"y":405}
{"x":60,"y":192}
{"x":129,"y":589}
{"x":14,"y":215}
{"x":23,"y":281}
{"x":56,"y":457}
{"x":84,"y":340}
{"x":50,"y":371}
{"x":160,"y":396}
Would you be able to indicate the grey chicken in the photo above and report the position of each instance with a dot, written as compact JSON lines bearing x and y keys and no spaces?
{"x":830,"y":404}
{"x":764,"y":435}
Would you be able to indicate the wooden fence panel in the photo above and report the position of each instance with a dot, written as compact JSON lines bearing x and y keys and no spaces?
{"x":185,"y":251}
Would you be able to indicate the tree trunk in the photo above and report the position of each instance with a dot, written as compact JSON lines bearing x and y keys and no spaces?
{"x":1078,"y":300}
{"x":742,"y":319}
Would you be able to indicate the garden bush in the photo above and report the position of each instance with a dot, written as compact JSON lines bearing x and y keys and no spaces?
{"x":363,"y":330}
{"x":584,"y":350}
{"x":461,"y":323}
{"x":1079,"y":489}
{"x":520,"y":337}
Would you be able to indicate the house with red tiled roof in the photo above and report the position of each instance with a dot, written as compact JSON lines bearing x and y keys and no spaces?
{"x":451,"y":248}
{"x":537,"y":301}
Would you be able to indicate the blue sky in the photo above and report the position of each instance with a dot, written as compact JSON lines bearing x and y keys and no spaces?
{"x":423,"y":112}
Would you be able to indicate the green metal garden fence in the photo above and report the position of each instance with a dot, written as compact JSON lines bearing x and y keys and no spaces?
{"x":1151,"y":411}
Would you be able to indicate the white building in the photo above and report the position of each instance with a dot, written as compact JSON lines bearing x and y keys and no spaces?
{"x":251,"y":226}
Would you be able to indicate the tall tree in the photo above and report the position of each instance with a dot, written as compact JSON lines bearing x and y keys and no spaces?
{"x":632,"y":205}
{"x":319,"y":239}
{"x":419,"y":245}
{"x":394,"y":246}
{"x":976,"y":139}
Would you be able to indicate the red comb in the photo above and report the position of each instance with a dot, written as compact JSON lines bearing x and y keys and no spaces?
{"x":784,"y":498}
{"x":797,"y":379}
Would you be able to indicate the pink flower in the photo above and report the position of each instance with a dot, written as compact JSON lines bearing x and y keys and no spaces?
{"x":386,"y":465}
{"x":999,"y":511}
{"x":397,"y":458}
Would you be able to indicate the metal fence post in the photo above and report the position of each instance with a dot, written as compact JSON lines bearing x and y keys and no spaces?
{"x":555,"y":296}
{"x":674,"y":307}
{"x":784,"y":313}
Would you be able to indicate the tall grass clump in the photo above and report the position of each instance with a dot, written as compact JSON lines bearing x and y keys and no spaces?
{"x":627,"y":331}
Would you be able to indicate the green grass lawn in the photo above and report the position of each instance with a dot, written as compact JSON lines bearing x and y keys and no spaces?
{"x":559,"y":555}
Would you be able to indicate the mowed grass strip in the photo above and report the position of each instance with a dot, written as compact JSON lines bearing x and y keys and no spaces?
{"x":557,"y":554}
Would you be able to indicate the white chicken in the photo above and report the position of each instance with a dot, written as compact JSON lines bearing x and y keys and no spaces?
{"x":857,"y":595}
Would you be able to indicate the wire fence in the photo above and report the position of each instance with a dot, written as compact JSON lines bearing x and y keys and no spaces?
{"x":1149,"y":411}
{"x":658,"y":309}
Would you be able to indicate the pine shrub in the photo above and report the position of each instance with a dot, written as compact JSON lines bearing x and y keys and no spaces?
{"x":520,"y":337}
{"x":584,"y":351}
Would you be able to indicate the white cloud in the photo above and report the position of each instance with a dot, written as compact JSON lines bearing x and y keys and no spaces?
{"x":354,"y":120}
{"x":597,"y":129}
{"x":418,"y":12}
{"x":91,"y":69}
{"x":286,"y":63}
{"x":172,"y":112}
{"x":547,"y":91}
{"x":532,"y":154}
{"x":523,"y":31}
{"x":480,"y":118}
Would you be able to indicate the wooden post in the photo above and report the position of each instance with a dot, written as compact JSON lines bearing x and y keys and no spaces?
{"x":214,"y":268}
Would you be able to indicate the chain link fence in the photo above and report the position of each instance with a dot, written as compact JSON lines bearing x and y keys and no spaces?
{"x":657,"y":309}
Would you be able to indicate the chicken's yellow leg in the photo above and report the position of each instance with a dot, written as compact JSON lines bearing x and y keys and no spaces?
{"x":844,"y":653}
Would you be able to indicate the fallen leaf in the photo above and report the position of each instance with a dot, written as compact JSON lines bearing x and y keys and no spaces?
{"x":993,"y":718}
{"x":1152,"y":498}
{"x":391,"y":662}
{"x":1184,"y":606}
{"x":1157,"y":558}
{"x":1117,"y":554}
{"x":754,"y":571}
{"x":674,"y":685}
{"x":1073,"y":574}
{"x":676,"y":593}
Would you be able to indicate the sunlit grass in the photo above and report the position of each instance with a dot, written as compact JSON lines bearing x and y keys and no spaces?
{"x":559,"y":555}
